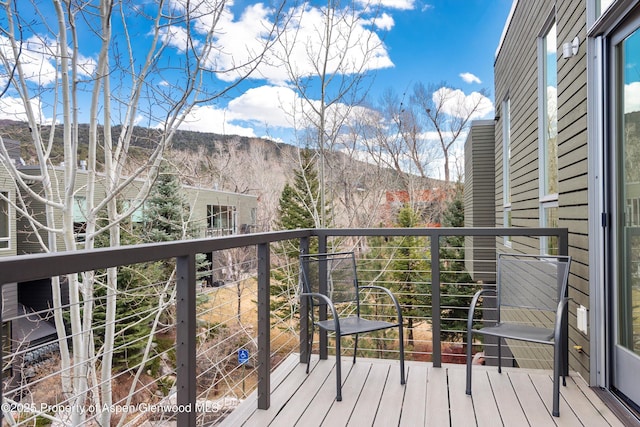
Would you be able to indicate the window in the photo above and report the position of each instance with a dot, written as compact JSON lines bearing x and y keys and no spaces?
{"x":602,"y":5}
{"x":5,"y":221}
{"x":221,"y":220}
{"x":506,"y":166}
{"x":548,"y":135}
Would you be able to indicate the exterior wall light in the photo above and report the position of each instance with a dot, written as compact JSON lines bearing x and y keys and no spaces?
{"x":571,"y":48}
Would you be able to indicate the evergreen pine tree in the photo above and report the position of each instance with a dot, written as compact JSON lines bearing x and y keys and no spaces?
{"x":298,"y":207}
{"x":456,"y":287}
{"x":166,"y":210}
{"x":409,"y":273}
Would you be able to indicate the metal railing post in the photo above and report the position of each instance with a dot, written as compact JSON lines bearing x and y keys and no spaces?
{"x":186,"y":339}
{"x":435,"y":299}
{"x":322,"y":314}
{"x":304,"y":310}
{"x":264,"y":327}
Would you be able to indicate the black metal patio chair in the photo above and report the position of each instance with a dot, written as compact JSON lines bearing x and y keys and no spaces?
{"x":330,"y":279}
{"x":531,"y":303}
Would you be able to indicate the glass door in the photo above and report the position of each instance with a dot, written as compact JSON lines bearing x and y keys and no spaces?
{"x":625,"y":121}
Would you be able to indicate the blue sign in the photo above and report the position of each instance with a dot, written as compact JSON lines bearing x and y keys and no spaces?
{"x":243,"y":356}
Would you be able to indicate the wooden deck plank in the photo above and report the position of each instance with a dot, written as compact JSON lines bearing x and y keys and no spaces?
{"x":297,"y":385}
{"x":583,"y":409}
{"x":534,"y":408}
{"x":597,"y":403}
{"x":352,"y":389}
{"x":323,"y":372}
{"x":368,"y":403}
{"x":415,"y":397}
{"x":511,"y":412}
{"x":437,"y":409}
{"x":484,"y":404}
{"x":390,"y":407}
{"x":461,"y":405}
{"x":544,"y":386}
{"x":250,"y":404}
{"x":321,"y":404}
{"x":372,"y":395}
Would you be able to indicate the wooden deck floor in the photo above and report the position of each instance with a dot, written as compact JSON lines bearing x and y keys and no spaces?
{"x":373,"y":396}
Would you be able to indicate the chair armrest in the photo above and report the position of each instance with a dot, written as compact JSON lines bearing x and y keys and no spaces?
{"x":560,"y":312}
{"x":474,"y":302}
{"x":328,"y":301}
{"x":391,"y":295}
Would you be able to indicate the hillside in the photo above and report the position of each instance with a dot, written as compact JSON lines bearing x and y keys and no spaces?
{"x":238,"y":164}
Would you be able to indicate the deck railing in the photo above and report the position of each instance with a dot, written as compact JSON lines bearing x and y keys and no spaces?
{"x":207,"y":331}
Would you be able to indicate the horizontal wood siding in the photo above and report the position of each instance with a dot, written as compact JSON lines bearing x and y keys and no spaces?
{"x":516,"y":78}
{"x":573,"y":167}
{"x":479,"y":195}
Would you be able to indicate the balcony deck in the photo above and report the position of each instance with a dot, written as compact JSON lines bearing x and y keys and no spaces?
{"x":373,"y":396}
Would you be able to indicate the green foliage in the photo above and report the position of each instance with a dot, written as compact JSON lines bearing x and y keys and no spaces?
{"x":298,"y":207}
{"x":456,"y":287}
{"x":410,"y":273}
{"x":139,"y":286}
{"x":166,"y":210}
{"x":300,"y":204}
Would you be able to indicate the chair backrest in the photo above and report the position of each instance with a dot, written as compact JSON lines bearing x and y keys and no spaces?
{"x":531,"y":282}
{"x":331,"y":274}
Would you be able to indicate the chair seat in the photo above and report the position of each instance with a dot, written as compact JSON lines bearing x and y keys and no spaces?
{"x":519,"y":332}
{"x":355,"y":325}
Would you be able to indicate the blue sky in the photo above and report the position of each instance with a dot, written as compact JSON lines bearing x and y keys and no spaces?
{"x":452,"y":41}
{"x":432,"y":41}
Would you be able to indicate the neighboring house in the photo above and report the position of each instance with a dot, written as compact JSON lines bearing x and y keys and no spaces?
{"x":222,"y":213}
{"x":429,"y":203}
{"x":567,"y":154}
{"x":213,"y":213}
{"x":8,"y":245}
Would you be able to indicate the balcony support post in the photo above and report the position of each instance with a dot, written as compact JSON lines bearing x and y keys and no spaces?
{"x":304,"y":310}
{"x":435,"y":299}
{"x":322,"y":315}
{"x":186,"y":338}
{"x":264,"y":327}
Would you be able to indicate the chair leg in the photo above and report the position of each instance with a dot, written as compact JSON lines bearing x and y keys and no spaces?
{"x":469,"y":360}
{"x":499,"y":355}
{"x":310,"y":345}
{"x":355,"y":348}
{"x":338,"y":371}
{"x":401,"y":338}
{"x":557,"y":349}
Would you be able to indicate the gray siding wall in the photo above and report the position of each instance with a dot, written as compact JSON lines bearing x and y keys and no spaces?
{"x":516,"y":77}
{"x":9,"y":292}
{"x":198,"y":199}
{"x":479,"y":195}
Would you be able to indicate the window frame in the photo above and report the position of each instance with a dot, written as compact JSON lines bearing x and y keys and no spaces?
{"x":506,"y":166}
{"x":548,"y":198}
{"x":5,"y":201}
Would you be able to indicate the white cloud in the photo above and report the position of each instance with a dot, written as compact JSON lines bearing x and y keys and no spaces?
{"x":470,"y":78}
{"x":38,"y":59}
{"x":392,"y":4}
{"x":177,"y":37}
{"x":14,"y":109}
{"x":271,"y":105}
{"x":632,"y":97}
{"x":211,"y":119}
{"x":455,"y":103}
{"x":384,"y":22}
{"x":238,"y":41}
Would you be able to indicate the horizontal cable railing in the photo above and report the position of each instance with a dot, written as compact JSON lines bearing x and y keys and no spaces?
{"x":192,"y":335}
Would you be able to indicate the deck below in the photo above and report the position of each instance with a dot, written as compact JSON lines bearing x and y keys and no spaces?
{"x":373,"y":396}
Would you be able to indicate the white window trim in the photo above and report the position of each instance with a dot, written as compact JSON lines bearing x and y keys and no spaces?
{"x":542,"y":96}
{"x":507,"y":241}
{"x":9,"y":223}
